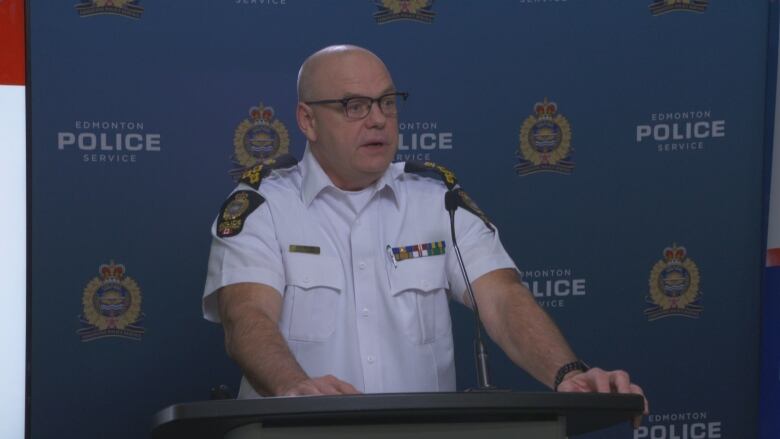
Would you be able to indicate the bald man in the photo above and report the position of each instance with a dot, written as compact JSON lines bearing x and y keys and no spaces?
{"x":334,"y":275}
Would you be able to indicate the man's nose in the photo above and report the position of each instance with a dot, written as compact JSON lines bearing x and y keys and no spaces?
{"x":375,"y":117}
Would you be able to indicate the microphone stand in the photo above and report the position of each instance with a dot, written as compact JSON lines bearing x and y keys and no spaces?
{"x":480,"y":350}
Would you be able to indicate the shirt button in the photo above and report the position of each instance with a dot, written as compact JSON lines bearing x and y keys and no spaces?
{"x":371,"y":359}
{"x":365,"y":312}
{"x":357,"y":222}
{"x":306,"y":279}
{"x":424,"y":283}
{"x":362,"y":265}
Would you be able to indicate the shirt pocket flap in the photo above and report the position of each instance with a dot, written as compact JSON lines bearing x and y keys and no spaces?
{"x":313,"y":271}
{"x":422,"y":274}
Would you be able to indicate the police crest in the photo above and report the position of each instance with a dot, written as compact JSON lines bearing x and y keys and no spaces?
{"x":259,"y":138}
{"x":111,"y":306}
{"x":658,"y":7}
{"x":125,"y":8}
{"x":545,"y":142}
{"x":674,"y":286}
{"x":394,"y":10}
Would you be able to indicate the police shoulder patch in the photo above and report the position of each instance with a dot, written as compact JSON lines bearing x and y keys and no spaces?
{"x":235,"y":210}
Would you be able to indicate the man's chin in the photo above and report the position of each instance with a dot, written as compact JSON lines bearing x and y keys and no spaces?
{"x":375,"y":159}
{"x":373,"y":172}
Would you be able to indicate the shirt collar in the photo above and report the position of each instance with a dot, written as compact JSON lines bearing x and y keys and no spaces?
{"x":315,"y":180}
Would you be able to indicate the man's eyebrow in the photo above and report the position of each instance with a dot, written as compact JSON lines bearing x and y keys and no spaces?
{"x":388,"y":90}
{"x":353,"y":95}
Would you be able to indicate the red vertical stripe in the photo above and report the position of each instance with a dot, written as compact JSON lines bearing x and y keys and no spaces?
{"x":12,"y":42}
{"x":773,"y":257}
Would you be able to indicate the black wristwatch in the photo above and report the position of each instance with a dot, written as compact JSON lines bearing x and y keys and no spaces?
{"x":566,"y":368}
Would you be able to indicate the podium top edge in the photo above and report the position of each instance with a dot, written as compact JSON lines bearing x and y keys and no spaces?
{"x":615,"y":407}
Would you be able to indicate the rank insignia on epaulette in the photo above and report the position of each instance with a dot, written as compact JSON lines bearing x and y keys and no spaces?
{"x":432,"y":169}
{"x":418,"y":250}
{"x":467,"y":203}
{"x":235,"y":211}
{"x":254,"y":175}
{"x":446,"y":175}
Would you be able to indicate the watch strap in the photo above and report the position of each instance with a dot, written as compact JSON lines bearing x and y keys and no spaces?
{"x":566,"y":368}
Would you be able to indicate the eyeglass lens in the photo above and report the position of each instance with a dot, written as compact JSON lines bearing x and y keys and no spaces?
{"x":359,"y":107}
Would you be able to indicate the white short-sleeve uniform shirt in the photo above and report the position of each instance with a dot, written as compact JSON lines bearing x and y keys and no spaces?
{"x":352,"y":311}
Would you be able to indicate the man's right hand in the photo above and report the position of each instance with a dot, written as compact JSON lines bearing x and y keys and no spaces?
{"x":250,"y":315}
{"x":324,"y":385}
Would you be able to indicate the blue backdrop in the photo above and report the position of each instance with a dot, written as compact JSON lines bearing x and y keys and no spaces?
{"x":770,"y":337}
{"x":631,"y":205}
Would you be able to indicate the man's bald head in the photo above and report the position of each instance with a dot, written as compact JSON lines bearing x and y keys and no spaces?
{"x":317,"y":64}
{"x":353,"y":152}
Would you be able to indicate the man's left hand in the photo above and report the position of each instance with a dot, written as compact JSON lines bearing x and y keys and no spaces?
{"x":602,"y":381}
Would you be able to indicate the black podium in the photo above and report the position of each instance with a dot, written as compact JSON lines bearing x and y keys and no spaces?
{"x":407,"y":415}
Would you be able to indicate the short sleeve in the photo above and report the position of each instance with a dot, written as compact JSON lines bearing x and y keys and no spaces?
{"x":481,"y":249}
{"x":253,"y":255}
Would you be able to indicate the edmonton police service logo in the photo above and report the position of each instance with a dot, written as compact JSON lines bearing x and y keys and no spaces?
{"x":111,"y":306}
{"x":658,"y":7}
{"x":394,"y":10}
{"x":545,"y":142}
{"x":674,"y":286}
{"x":259,"y":138}
{"x":125,"y":8}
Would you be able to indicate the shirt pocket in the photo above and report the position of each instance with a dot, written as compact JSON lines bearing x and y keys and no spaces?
{"x":419,"y":290}
{"x":315,"y":283}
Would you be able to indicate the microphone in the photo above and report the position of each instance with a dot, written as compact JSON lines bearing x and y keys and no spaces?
{"x":451,"y":201}
{"x":454,"y":197}
{"x":451,"y":204}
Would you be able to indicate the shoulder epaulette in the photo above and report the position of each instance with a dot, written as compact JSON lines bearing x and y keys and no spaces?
{"x":431,"y":169}
{"x":467,"y":203}
{"x":442,"y":173}
{"x":254,"y":175}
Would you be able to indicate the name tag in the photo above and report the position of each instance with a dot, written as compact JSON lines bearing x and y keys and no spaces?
{"x":309,"y":249}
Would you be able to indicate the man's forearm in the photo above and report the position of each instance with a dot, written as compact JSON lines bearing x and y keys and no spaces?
{"x":520,"y":327}
{"x":249,"y":314}
{"x":262,"y":353}
{"x":532,"y":340}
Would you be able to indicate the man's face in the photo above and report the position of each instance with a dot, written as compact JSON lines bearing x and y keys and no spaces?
{"x":354,"y":153}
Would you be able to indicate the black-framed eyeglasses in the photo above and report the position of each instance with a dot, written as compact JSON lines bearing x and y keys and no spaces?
{"x":358,"y":107}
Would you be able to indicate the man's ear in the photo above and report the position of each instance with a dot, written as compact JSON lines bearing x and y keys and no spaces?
{"x":306,"y":121}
